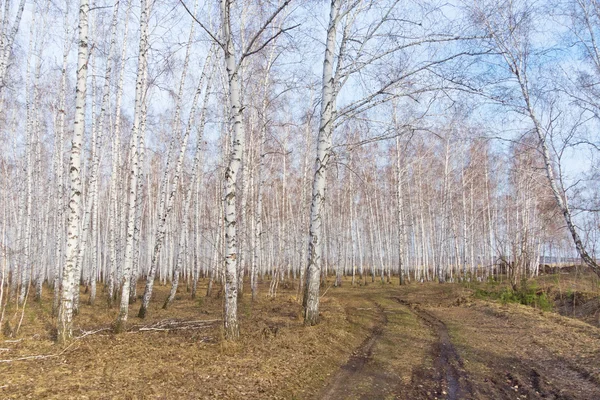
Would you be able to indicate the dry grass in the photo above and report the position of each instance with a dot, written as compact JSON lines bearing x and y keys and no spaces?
{"x":502,"y":346}
{"x":276,"y":357}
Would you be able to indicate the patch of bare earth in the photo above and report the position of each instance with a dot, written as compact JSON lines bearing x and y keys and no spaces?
{"x":355,"y":367}
{"x":460,"y":348}
{"x":449,"y":372}
{"x":395,"y":361}
{"x":516,"y":352}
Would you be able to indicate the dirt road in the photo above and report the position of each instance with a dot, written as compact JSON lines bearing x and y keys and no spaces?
{"x":432,"y":343}
{"x":420,"y":341}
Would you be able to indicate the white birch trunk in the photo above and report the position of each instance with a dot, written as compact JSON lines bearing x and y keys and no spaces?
{"x":400,"y":210}
{"x":96,"y":162}
{"x":134,"y":171}
{"x":162,"y":224}
{"x":231,"y":175}
{"x":60,"y":226}
{"x":115,"y":230}
{"x":65,"y":314}
{"x":7,"y":41}
{"x":311,"y":293}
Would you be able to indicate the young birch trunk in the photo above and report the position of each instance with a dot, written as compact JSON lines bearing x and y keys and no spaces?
{"x":244,"y":225}
{"x":91,"y":193}
{"x":258,"y":247}
{"x":351,"y":223}
{"x":188,"y":196}
{"x":214,"y":270}
{"x":139,"y":199}
{"x":303,"y":199}
{"x":231,"y":174}
{"x":400,"y":202}
{"x":4,"y":259}
{"x":26,"y":210}
{"x":162,"y":224}
{"x":114,"y":230}
{"x":253,"y":218}
{"x":96,"y":162}
{"x":65,"y":313}
{"x":465,"y":232}
{"x":28,"y":205}
{"x":39,"y":275}
{"x":311,"y":293}
{"x":198,"y":210}
{"x":59,"y":257}
{"x":133,"y":175}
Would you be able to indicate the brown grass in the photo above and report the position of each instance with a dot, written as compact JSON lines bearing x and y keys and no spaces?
{"x":502,"y":346}
{"x":276,"y":357}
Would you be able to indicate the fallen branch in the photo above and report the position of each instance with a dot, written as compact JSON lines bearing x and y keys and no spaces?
{"x":325,"y":292}
{"x":88,"y":333}
{"x":154,"y":329}
{"x":38,"y":357}
{"x":170,"y":324}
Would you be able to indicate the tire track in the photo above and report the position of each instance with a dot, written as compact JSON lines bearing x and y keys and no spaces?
{"x":355,"y":365}
{"x":449,"y":371}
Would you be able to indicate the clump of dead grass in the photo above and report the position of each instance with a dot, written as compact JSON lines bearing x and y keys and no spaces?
{"x":276,"y":356}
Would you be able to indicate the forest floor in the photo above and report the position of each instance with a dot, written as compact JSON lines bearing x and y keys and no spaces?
{"x":380,"y":341}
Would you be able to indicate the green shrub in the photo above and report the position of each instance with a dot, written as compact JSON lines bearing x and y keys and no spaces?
{"x":527,"y":294}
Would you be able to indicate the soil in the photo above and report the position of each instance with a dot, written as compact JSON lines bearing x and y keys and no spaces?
{"x":355,"y":367}
{"x":449,"y":368}
{"x":480,"y":350}
{"x":382,"y":341}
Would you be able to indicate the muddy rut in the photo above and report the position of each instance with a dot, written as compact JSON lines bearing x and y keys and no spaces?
{"x":495,"y":352}
{"x":361,"y":377}
{"x":448,"y":366}
{"x":349,"y":372}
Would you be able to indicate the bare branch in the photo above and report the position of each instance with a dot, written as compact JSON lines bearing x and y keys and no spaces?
{"x":265,"y":44}
{"x":247,"y":52}
{"x":217,"y":41}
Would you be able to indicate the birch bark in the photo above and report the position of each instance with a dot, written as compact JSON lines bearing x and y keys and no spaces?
{"x":311,"y":293}
{"x":162,"y":225}
{"x":65,"y":314}
{"x":59,"y":256}
{"x":231,"y":175}
{"x":134,"y":171}
{"x":115,"y":221}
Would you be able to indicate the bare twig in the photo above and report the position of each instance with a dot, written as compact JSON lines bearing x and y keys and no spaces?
{"x":325,"y":292}
{"x":39,"y":357}
{"x":88,"y":333}
{"x":217,"y":41}
{"x":170,"y":324}
{"x":248,"y":50}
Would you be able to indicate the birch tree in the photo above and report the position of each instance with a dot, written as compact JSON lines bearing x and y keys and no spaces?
{"x":69,"y":281}
{"x":134,"y":166}
{"x":232,"y":67}
{"x":516,"y":49}
{"x":351,"y":49}
{"x":7,"y":38}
